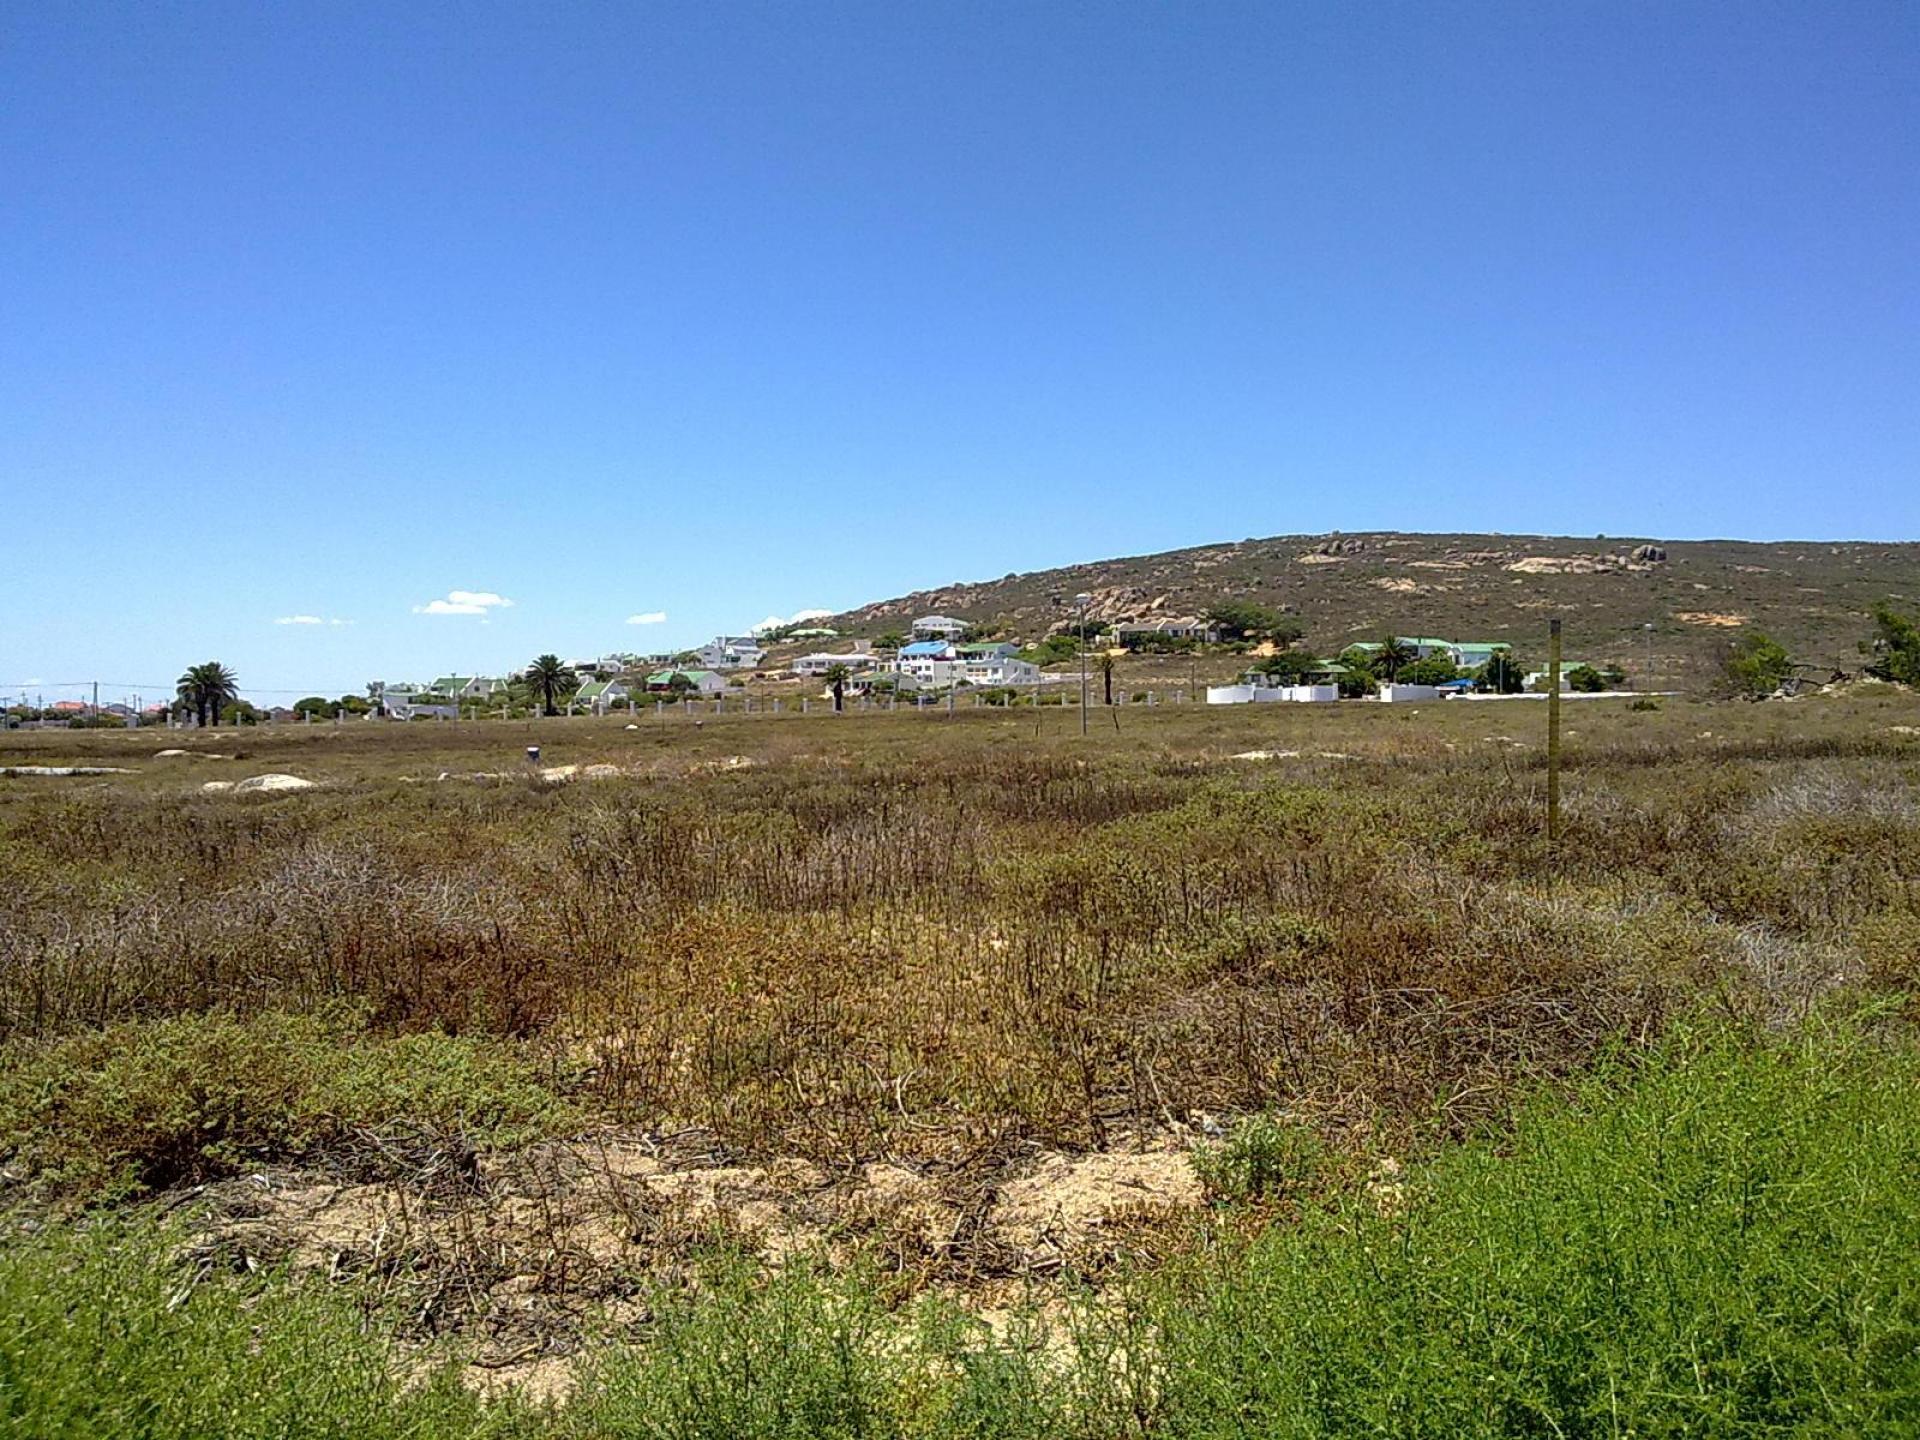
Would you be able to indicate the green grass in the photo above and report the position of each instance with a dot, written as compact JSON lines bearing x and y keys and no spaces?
{"x":1720,"y":1240}
{"x":102,"y":1334}
{"x":143,"y":1105}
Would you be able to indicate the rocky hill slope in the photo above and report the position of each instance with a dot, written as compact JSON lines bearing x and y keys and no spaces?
{"x":1811,"y":595}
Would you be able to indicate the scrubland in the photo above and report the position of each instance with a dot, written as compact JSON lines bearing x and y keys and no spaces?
{"x":1232,"y":1072}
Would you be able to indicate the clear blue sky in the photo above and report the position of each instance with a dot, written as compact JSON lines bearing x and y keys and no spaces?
{"x":722,"y":311}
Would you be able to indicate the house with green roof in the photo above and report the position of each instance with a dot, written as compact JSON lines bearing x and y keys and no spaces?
{"x":598,"y":695}
{"x":468,"y":687}
{"x":694,"y":682}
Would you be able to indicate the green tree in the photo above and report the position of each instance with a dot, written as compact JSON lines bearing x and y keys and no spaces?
{"x":204,"y":689}
{"x":1895,"y":646}
{"x":548,"y":678}
{"x":1387,"y":658}
{"x":889,"y":640}
{"x":1756,"y":665}
{"x":1245,"y":620}
{"x":316,"y":707}
{"x":1290,"y":667}
{"x":1106,"y":674}
{"x":353,"y":705}
{"x":1501,"y":675}
{"x":1586,"y":679}
{"x":837,"y":677}
{"x":1434,"y":670}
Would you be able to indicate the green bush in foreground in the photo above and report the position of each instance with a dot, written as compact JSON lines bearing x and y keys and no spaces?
{"x":101,"y":1336}
{"x":153,"y":1103}
{"x":1722,"y":1241}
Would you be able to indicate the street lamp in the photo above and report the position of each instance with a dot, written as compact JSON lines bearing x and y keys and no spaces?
{"x":1083,"y":600}
{"x":1648,"y":627}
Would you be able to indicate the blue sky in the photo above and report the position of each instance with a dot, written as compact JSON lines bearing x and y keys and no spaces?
{"x":721,"y":311}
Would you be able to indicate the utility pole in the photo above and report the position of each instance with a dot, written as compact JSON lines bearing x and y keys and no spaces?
{"x":1553,"y":737}
{"x":96,"y":699}
{"x":1651,"y":686}
{"x":1082,"y":600}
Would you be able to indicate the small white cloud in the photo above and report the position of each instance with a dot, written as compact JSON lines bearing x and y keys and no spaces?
{"x":299,"y":620}
{"x":648,"y":617}
{"x":464,"y":602}
{"x":36,"y":680}
{"x":336,"y":620}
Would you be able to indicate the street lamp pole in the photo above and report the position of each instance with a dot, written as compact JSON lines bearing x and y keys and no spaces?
{"x":1648,"y":627}
{"x":1082,"y":600}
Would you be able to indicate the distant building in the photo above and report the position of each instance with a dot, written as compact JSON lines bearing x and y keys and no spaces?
{"x":695,"y":682}
{"x":598,"y":695}
{"x":938,"y":627}
{"x":824,"y":660}
{"x":731,"y":652}
{"x":1171,"y":627}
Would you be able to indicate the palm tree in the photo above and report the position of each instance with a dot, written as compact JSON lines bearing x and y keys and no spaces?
{"x":1106,"y":673}
{"x":1392,"y":654}
{"x":207,"y":689}
{"x":546,"y":677}
{"x":837,"y":677}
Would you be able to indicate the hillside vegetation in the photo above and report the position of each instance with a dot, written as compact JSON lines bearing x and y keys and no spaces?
{"x":1814,"y":596}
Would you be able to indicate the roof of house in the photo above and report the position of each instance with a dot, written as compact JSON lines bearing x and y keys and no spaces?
{"x":926,"y":620}
{"x":1483,"y":645}
{"x":665,"y":677}
{"x":595,"y":689}
{"x":924,"y":647}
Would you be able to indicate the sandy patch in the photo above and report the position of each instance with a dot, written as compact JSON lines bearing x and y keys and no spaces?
{"x":1710,"y":617}
{"x":1563,"y":565}
{"x":1067,"y":1197}
{"x":1399,"y":585}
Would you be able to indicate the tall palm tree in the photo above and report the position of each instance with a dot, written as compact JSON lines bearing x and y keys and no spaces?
{"x":1106,"y":673}
{"x":207,"y":689}
{"x":546,"y":677}
{"x":1392,"y":654}
{"x":837,"y":677}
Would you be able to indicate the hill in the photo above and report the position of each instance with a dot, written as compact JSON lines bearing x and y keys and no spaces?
{"x":1813,"y":596}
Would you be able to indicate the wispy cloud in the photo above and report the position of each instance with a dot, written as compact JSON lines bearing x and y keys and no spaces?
{"x":36,"y":680}
{"x":648,"y":617}
{"x":464,"y":602}
{"x":799,"y":617}
{"x":299,"y":620}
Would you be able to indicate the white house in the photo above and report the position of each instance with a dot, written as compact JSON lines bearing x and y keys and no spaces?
{"x":824,"y":660}
{"x":1401,"y":694}
{"x":731,"y":652}
{"x":938,"y":627}
{"x":998,"y":670}
{"x":1172,"y":627}
{"x":695,"y":682}
{"x":598,"y":695}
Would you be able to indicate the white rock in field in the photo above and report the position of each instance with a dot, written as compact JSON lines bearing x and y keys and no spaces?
{"x":556,"y":773}
{"x":273,"y":782}
{"x":213,"y":785}
{"x":633,"y":727}
{"x":600,"y":772}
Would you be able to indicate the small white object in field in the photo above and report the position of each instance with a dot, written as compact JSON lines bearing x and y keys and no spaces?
{"x":600,"y":772}
{"x":272,"y":782}
{"x":213,"y":785}
{"x":633,"y":727}
{"x":559,"y":772}
{"x":24,"y":771}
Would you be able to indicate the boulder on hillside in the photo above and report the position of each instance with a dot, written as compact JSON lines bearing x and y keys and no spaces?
{"x":255,"y":783}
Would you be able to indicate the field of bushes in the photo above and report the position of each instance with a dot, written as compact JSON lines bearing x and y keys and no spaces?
{"x":1218,"y":1073}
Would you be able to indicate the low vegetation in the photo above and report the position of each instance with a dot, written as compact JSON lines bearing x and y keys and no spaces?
{"x":1480,"y":1137}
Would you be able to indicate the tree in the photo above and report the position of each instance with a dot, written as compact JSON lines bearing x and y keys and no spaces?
{"x":316,"y":707}
{"x":1106,"y":674}
{"x":1244,"y":620}
{"x":547,"y":677}
{"x":1895,"y":646}
{"x":1434,"y":670}
{"x":1289,"y":666}
{"x":1390,"y":655}
{"x":1756,"y":665}
{"x":889,"y":640}
{"x":353,"y":705}
{"x":1586,"y":679}
{"x":205,"y":689}
{"x":837,"y":677}
{"x":1501,"y":674}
